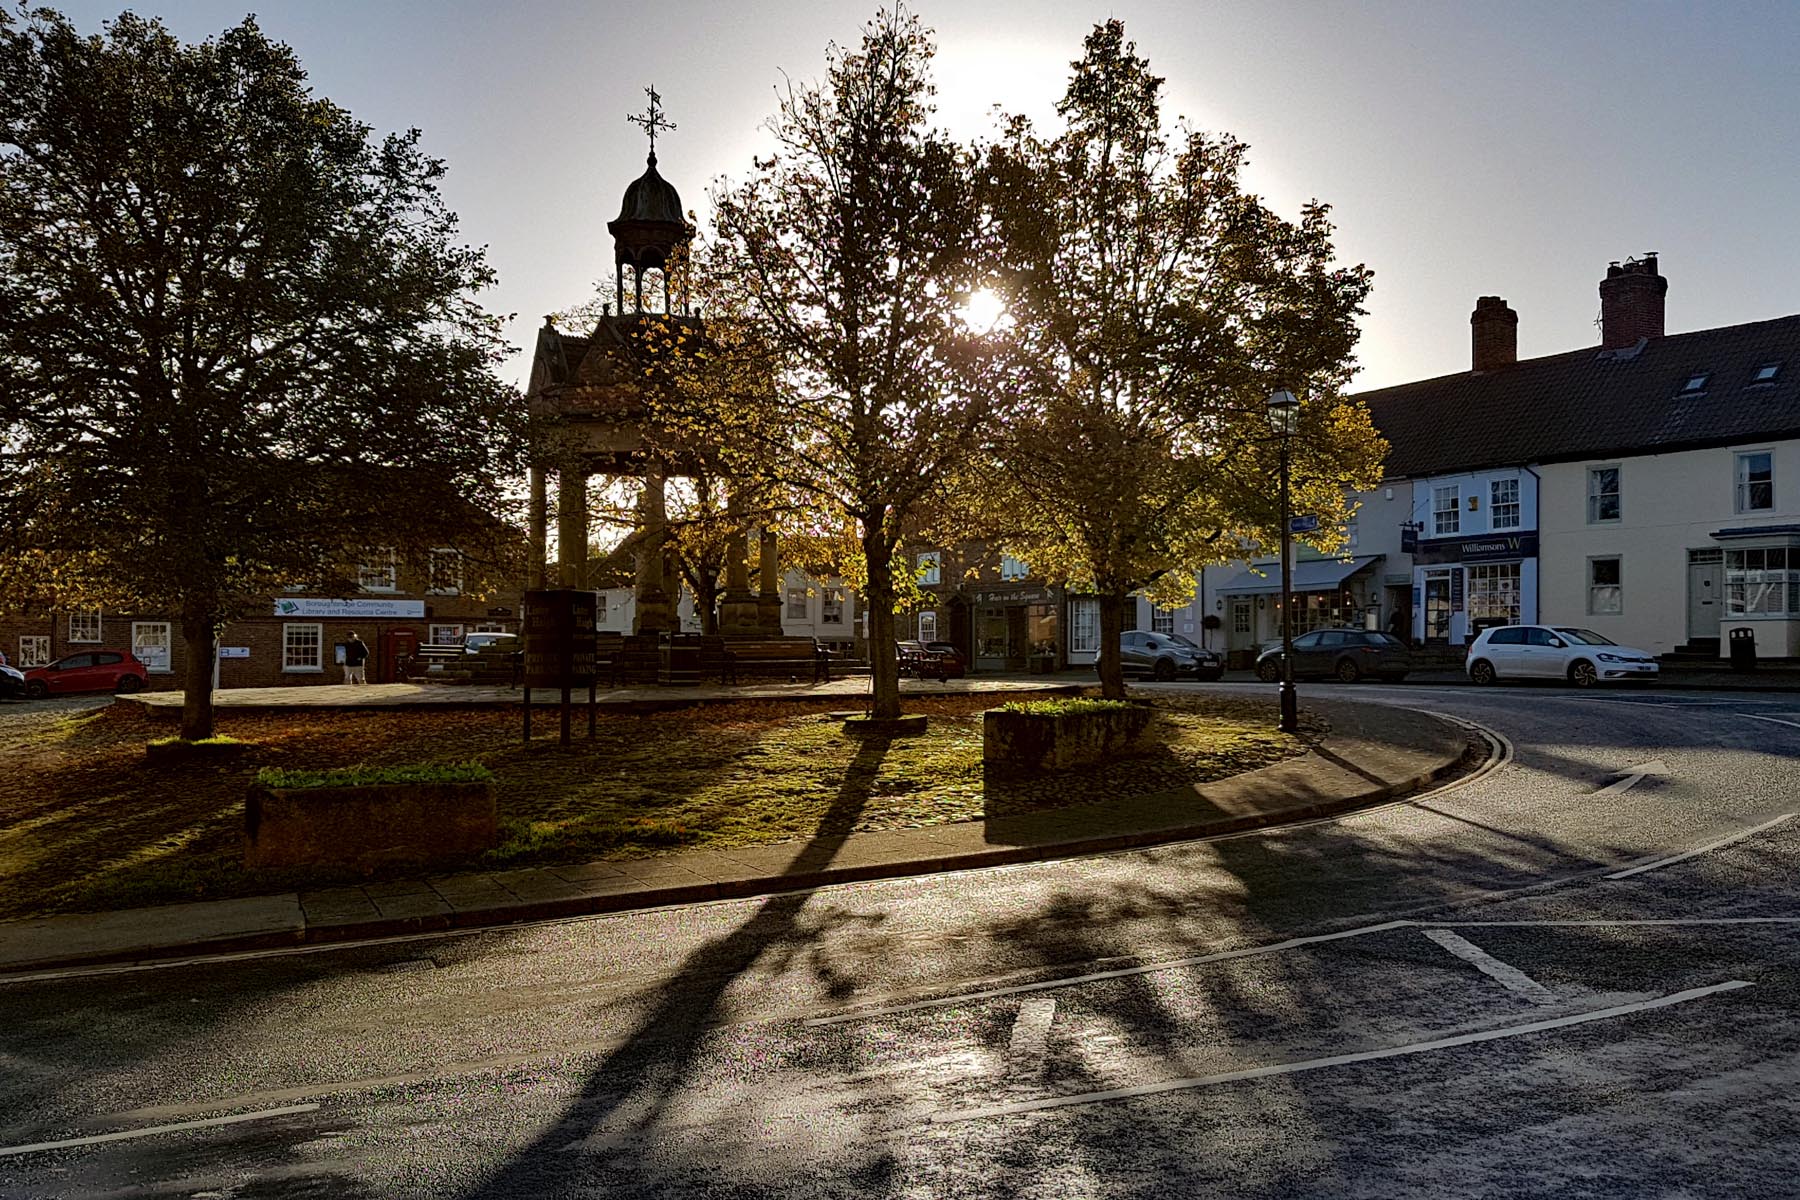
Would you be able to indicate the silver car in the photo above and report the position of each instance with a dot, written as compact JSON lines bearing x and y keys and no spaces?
{"x":1166,"y":656}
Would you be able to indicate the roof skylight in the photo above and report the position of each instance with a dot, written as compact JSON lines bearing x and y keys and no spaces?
{"x":1766,"y":373}
{"x":1696,"y":382}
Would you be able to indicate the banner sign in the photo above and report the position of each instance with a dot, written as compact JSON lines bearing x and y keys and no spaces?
{"x":348,"y":609}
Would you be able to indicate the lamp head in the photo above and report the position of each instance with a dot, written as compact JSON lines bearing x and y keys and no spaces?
{"x":1283,"y":410}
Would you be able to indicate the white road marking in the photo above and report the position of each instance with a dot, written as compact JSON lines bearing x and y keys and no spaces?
{"x":1335,"y":1060}
{"x":153,"y":1130}
{"x":1608,"y":921}
{"x":1635,"y":775}
{"x":1770,"y":720}
{"x":1046,"y":985}
{"x":1506,"y":975}
{"x":1715,"y":844}
{"x":1031,"y":1032}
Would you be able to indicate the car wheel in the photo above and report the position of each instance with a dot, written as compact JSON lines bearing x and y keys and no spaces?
{"x":36,"y":689}
{"x":1164,"y":670}
{"x":129,"y":684}
{"x":1482,"y":672}
{"x":1582,"y":673}
{"x":1347,"y":671}
{"x":1268,"y":671}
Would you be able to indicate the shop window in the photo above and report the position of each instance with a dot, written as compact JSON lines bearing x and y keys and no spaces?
{"x":1446,"y":510}
{"x":928,"y":627}
{"x":446,"y":635}
{"x":302,"y":648}
{"x":1084,"y":626}
{"x":84,"y":626}
{"x":831,"y":606}
{"x":1755,"y":481}
{"x":1240,"y":616}
{"x":1606,"y":591}
{"x":34,"y":651}
{"x":445,"y":573}
{"x":1603,"y":494}
{"x":380,"y":574}
{"x":1503,"y":505}
{"x":930,"y":564}
{"x":152,"y":642}
{"x":1764,"y":581}
{"x":1493,"y":593}
{"x":796,"y":604}
{"x":1162,"y":620}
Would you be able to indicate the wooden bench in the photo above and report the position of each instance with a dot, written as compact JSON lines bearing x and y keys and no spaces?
{"x":789,"y":655}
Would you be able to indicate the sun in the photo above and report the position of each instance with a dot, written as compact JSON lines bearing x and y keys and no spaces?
{"x":983,"y":310}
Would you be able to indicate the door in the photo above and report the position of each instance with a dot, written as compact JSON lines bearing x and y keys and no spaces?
{"x":1437,"y":607}
{"x":1243,"y":631}
{"x":1705,"y":588}
{"x":1540,"y":657}
{"x":990,"y":638}
{"x":1505,"y":649}
{"x":1320,"y":657}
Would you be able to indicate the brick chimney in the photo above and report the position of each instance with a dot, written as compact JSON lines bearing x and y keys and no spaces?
{"x":1493,"y":334}
{"x":1631,"y":303}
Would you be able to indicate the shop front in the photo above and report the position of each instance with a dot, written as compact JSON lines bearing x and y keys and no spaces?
{"x":1326,"y":593}
{"x":1013,"y":629}
{"x":1464,"y":585}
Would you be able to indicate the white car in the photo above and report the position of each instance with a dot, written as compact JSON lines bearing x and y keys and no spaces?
{"x":1580,"y":656}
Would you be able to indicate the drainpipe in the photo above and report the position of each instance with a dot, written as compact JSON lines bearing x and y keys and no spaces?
{"x":1537,"y":583}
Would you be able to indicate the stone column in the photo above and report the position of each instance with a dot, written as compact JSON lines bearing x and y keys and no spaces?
{"x":737,"y":608}
{"x":539,"y":534}
{"x":571,"y":526}
{"x":768,"y":600}
{"x":655,"y":607}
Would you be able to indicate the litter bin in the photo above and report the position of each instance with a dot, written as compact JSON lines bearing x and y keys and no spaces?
{"x":1743,"y":649}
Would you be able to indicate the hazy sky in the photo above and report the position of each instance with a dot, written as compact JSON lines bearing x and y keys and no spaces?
{"x":1467,"y":149}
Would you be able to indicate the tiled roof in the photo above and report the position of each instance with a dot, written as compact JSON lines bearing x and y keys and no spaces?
{"x":1597,"y":404}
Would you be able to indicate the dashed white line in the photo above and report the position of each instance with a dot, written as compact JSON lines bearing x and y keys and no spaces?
{"x":1071,"y":980}
{"x":1715,"y":844}
{"x":153,"y":1130}
{"x":1335,"y":1060}
{"x":1030,"y":1034}
{"x":1505,"y":974}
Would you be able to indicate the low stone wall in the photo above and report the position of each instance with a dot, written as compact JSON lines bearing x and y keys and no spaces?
{"x":369,"y":827}
{"x":1033,"y":741}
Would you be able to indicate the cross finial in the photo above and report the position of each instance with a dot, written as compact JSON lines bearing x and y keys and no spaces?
{"x":652,"y":120}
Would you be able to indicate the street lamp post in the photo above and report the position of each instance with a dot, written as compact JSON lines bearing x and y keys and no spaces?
{"x":1283,"y":410}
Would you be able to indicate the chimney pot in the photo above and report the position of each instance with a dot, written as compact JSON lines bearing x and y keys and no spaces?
{"x":1631,"y":302}
{"x":1493,"y":334}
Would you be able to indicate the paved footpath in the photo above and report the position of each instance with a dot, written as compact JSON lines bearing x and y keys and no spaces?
{"x":1373,"y":753}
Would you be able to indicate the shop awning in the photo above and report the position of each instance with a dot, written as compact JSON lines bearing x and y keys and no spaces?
{"x":1318,"y":575}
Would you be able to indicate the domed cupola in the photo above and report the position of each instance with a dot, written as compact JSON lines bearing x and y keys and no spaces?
{"x":651,"y":223}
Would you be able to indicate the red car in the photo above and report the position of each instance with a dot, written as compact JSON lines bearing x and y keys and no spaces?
{"x":89,"y":671}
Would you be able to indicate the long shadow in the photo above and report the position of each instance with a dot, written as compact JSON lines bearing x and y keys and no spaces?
{"x":627,"y":1096}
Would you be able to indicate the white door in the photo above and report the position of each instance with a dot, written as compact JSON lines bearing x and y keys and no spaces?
{"x":1538,"y":659}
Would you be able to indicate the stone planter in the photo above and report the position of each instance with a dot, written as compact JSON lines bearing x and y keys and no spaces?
{"x":1032,"y":741}
{"x":367,"y":828}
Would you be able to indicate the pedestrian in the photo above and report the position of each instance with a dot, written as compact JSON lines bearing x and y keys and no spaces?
{"x":356,"y":654}
{"x":1400,"y":626}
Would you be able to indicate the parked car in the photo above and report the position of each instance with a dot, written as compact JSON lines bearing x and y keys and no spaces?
{"x":89,"y":671}
{"x":12,"y":681}
{"x":475,"y":643}
{"x":1580,"y":656}
{"x":1345,"y":654}
{"x":1166,"y":656}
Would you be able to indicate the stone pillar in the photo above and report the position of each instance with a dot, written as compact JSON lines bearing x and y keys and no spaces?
{"x":768,"y":600}
{"x":737,"y":608}
{"x":571,"y":527}
{"x":655,"y":607}
{"x":539,"y":535}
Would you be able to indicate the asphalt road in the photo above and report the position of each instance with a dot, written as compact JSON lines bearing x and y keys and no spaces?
{"x":1530,"y":984}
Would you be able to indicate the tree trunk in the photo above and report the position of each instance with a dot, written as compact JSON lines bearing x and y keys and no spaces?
{"x":197,"y":691}
{"x":884,"y":666}
{"x":1112,"y":625}
{"x":706,"y":599}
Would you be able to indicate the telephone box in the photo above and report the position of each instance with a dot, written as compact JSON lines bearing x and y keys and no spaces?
{"x":396,"y":646}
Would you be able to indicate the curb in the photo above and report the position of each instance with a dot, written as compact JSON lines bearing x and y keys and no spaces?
{"x":527,"y":911}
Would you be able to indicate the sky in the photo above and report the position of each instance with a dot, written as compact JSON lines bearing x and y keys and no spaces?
{"x":1467,"y":149}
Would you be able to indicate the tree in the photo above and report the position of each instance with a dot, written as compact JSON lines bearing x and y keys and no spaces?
{"x":1153,"y":305}
{"x":849,"y":252}
{"x":238,"y":338}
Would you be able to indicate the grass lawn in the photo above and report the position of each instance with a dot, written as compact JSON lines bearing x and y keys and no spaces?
{"x":88,"y":822}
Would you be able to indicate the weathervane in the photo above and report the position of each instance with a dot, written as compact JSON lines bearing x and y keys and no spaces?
{"x":652,"y":120}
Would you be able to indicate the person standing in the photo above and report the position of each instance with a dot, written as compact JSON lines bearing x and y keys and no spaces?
{"x":356,"y":656}
{"x":1400,"y":625}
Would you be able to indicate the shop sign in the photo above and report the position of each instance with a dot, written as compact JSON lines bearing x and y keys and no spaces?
{"x":1031,"y":596}
{"x":315,"y":607}
{"x":1500,"y":549}
{"x":234,"y":652}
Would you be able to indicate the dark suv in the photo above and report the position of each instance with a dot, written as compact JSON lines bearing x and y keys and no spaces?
{"x":1347,"y":654}
{"x":1166,"y":656}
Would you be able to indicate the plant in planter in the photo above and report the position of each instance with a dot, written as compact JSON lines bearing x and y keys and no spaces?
{"x":366,"y":818}
{"x":1038,"y":734}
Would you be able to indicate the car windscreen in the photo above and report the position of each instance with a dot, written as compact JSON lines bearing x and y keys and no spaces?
{"x":1190,"y":643}
{"x":1585,"y":637}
